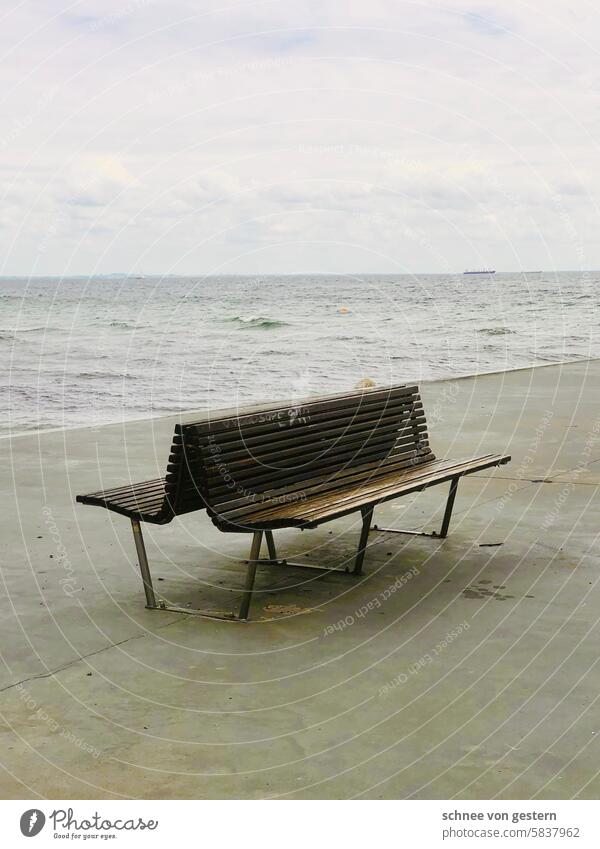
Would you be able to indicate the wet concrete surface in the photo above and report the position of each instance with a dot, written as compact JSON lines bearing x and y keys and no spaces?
{"x":465,"y":667}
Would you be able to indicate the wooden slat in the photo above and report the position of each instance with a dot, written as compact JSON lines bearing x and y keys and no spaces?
{"x":257,"y":473}
{"x":314,"y":511}
{"x":308,"y":434}
{"x":330,"y":484}
{"x":333,"y":478}
{"x":138,"y":504}
{"x":237,"y":417}
{"x":332,"y":417}
{"x":115,"y":492}
{"x":374,"y":431}
{"x":373,"y":489}
{"x":317,"y":469}
{"x":329,"y":480}
{"x":324,"y":455}
{"x":453,"y":469}
{"x":148,"y":508}
{"x":339,"y":438}
{"x":143,"y":502}
{"x":254,"y":450}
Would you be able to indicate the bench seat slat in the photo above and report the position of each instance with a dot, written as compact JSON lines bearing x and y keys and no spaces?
{"x":330,"y":483}
{"x":324,"y":494}
{"x":146,"y":500}
{"x":312,"y":511}
{"x":128,"y":489}
{"x":331,"y":478}
{"x":378,"y":489}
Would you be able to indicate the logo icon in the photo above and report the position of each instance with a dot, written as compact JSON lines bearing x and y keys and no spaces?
{"x":32,"y":822}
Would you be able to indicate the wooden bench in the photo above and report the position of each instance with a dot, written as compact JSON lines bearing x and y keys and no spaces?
{"x":293,"y":465}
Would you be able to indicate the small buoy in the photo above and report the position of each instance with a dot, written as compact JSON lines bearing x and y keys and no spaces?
{"x":365,"y":383}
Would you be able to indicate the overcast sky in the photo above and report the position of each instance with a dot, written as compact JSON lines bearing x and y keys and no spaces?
{"x":165,"y":136}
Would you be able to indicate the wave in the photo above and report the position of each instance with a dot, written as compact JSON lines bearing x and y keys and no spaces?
{"x":45,"y":328}
{"x":123,"y":325}
{"x":496,"y":331}
{"x":117,"y":323}
{"x":560,"y":357}
{"x":104,"y":375}
{"x":255,"y":321}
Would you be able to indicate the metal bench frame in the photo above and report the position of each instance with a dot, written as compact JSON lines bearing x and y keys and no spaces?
{"x":254,"y":559}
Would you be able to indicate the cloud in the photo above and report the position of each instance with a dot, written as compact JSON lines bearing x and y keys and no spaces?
{"x":266,"y":135}
{"x":97,"y":180}
{"x":487,"y":22}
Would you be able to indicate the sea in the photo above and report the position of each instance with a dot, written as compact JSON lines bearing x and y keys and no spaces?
{"x":88,"y":351}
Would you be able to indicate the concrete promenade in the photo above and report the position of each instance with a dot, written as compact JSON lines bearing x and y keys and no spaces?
{"x":465,"y":668}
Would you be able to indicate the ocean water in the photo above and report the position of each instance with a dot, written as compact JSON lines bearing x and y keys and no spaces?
{"x":90,"y":351}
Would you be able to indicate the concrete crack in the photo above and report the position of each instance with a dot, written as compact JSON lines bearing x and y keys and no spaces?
{"x":76,"y":660}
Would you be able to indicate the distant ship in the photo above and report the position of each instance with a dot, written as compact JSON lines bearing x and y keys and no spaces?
{"x":481,"y":271}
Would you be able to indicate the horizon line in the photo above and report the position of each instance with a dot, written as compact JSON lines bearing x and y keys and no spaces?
{"x":142,"y":275}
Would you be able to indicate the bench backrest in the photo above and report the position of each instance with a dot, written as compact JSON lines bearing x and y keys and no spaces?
{"x":230,"y":460}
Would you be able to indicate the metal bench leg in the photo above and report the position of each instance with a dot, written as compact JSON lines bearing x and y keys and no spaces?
{"x":449,"y":505}
{"x":251,"y":574}
{"x":367,"y":515}
{"x":143,"y":561}
{"x":445,"y":521}
{"x":274,"y":560}
{"x":271,"y":545}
